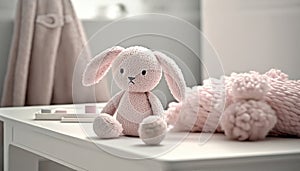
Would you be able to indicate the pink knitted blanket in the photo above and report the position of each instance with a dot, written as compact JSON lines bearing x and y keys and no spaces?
{"x":245,"y":106}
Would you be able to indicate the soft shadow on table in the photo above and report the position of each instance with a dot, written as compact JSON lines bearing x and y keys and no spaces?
{"x":145,"y":145}
{"x":110,"y":139}
{"x":140,"y":144}
{"x":94,"y":138}
{"x":102,"y":139}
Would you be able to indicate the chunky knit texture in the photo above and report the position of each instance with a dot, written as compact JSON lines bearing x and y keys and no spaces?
{"x":256,"y":105}
{"x":203,"y":104}
{"x":284,"y":98}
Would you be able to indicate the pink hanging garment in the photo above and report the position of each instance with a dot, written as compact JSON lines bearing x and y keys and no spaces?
{"x":47,"y":40}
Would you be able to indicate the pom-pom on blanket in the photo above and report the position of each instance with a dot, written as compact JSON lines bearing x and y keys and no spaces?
{"x":245,"y":106}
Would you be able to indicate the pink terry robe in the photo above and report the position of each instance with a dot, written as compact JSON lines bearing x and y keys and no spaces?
{"x":47,"y":40}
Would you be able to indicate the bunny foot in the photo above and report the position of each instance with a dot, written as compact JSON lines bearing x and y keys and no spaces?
{"x":105,"y":126}
{"x":248,"y":120}
{"x":152,"y":130}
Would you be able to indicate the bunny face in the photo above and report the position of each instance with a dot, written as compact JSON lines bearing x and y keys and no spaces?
{"x":136,"y":70}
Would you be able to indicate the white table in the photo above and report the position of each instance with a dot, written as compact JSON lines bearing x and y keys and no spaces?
{"x":71,"y":145}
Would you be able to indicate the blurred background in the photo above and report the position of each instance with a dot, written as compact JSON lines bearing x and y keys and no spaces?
{"x":247,"y":35}
{"x":95,"y":14}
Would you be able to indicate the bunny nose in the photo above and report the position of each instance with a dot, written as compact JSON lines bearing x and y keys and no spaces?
{"x":131,"y":78}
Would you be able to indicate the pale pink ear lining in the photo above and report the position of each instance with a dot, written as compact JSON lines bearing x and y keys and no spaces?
{"x":98,"y":67}
{"x":173,"y":75}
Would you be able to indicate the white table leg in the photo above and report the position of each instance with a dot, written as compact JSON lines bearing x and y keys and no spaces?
{"x":16,"y":159}
{"x":20,"y":159}
{"x":7,"y":139}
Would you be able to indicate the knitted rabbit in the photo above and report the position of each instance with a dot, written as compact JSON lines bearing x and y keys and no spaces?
{"x":136,"y":70}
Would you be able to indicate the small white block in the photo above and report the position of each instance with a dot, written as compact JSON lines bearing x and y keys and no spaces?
{"x":45,"y":110}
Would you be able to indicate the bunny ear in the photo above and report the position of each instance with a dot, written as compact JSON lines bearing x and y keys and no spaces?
{"x":99,"y":65}
{"x":173,"y":75}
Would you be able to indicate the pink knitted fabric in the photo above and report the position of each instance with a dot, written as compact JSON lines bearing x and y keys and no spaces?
{"x":284,"y":97}
{"x":200,"y":102}
{"x":261,"y":94}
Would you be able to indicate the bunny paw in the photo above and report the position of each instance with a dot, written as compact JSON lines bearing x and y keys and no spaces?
{"x":248,"y":120}
{"x":152,"y":130}
{"x":105,"y":126}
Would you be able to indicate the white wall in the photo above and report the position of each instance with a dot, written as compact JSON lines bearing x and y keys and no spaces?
{"x":6,"y":26}
{"x":7,"y":11}
{"x":254,"y":35}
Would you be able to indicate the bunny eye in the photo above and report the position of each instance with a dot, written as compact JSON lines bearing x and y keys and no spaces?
{"x":121,"y":70}
{"x":144,"y":72}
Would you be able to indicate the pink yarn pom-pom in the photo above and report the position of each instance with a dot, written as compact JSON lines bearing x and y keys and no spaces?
{"x":277,"y":75}
{"x":249,"y":86}
{"x":248,"y":120}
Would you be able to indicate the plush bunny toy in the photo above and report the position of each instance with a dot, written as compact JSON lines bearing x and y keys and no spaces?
{"x":136,"y":70}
